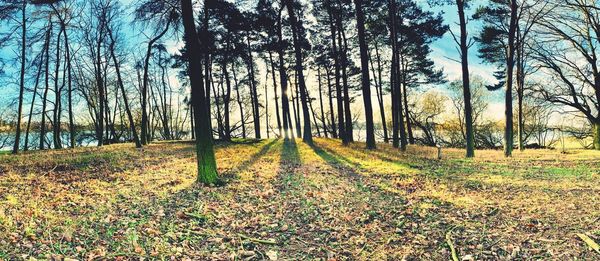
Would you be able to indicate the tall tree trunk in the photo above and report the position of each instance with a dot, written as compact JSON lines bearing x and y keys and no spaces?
{"x":57,"y":96}
{"x":285,"y":103}
{"x":70,"y":92}
{"x":520,"y":90}
{"x":331,"y":112}
{"x":323,"y":120}
{"x":217,"y":97}
{"x":312,"y":112}
{"x":409,"y":129}
{"x":239,"y":99}
{"x":295,"y":107}
{"x":207,"y":166}
{"x":348,"y":129}
{"x":136,"y":138}
{"x":22,"y":77}
{"x":296,"y":104}
{"x":35,"y":89}
{"x":193,"y":128}
{"x":226,"y":99}
{"x":206,"y":46}
{"x":165,"y":107}
{"x":267,"y":100}
{"x":296,"y":26}
{"x":510,"y":64}
{"x":402,"y":74}
{"x":366,"y":82}
{"x":145,"y":119}
{"x":100,"y":86}
{"x":47,"y":86}
{"x":399,"y":131}
{"x":338,"y":86}
{"x":464,"y":49}
{"x":277,"y":114}
{"x":400,"y":100}
{"x":253,"y":91}
{"x":377,"y":79}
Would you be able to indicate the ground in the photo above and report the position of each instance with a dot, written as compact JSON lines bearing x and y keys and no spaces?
{"x":289,"y":201}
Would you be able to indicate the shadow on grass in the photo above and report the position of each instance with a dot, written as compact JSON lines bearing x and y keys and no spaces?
{"x":337,"y":161}
{"x":253,"y":158}
{"x":289,"y":162}
{"x":289,"y":152}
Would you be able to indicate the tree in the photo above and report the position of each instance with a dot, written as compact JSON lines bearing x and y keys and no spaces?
{"x":364,"y":62}
{"x":416,"y":30}
{"x":326,"y":12}
{"x":207,"y":166}
{"x":494,"y":45}
{"x":426,"y":116}
{"x":479,"y":105}
{"x":565,"y":49}
{"x":464,"y":44}
{"x":7,"y":11}
{"x":117,"y":65}
{"x":153,"y":40}
{"x":399,"y":131}
{"x":298,"y":33}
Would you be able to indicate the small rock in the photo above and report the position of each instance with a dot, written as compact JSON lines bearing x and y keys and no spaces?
{"x":272,"y":255}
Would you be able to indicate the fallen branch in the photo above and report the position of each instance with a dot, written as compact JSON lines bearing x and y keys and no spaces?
{"x":591,"y":244}
{"x":451,"y":246}
{"x":256,"y":240}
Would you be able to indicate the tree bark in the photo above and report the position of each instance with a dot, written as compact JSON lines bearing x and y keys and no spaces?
{"x":379,"y":91}
{"x":22,"y":77}
{"x":464,"y":49}
{"x":57,"y":95}
{"x":239,"y":100}
{"x":285,"y":103}
{"x":510,"y":64}
{"x":253,"y":91}
{"x":323,"y":121}
{"x":136,"y":138}
{"x":338,"y":86}
{"x":277,"y":114}
{"x":366,"y":82}
{"x":34,"y":96}
{"x":331,"y":111}
{"x":145,"y":121}
{"x":348,"y":129}
{"x":207,"y":166}
{"x":47,"y":86}
{"x":296,"y":26}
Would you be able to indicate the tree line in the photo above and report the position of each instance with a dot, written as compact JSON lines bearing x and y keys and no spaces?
{"x":108,"y":72}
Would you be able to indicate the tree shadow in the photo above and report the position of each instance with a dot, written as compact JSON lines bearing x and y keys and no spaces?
{"x":290,"y":153}
{"x":289,"y":162}
{"x":337,"y":161}
{"x":245,"y":165}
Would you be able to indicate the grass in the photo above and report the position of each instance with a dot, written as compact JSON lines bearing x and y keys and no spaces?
{"x":288,"y":200}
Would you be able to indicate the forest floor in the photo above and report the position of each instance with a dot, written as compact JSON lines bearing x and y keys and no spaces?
{"x":286,"y":200}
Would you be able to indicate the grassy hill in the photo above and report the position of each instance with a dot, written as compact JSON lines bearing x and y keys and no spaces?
{"x":291,"y":201}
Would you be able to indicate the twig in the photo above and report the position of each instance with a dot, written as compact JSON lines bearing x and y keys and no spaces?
{"x":256,"y":240}
{"x":451,"y":246}
{"x":591,"y":244}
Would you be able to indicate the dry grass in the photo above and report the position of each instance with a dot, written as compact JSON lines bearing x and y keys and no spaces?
{"x":320,"y":202}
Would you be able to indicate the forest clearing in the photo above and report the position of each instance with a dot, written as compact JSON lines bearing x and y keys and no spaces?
{"x":299,"y":130}
{"x":287,"y":200}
